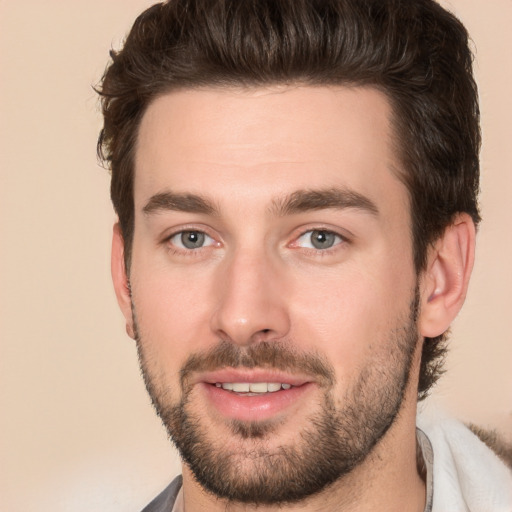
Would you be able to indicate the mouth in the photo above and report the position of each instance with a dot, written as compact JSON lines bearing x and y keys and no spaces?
{"x":254,"y":395}
{"x":253,"y":388}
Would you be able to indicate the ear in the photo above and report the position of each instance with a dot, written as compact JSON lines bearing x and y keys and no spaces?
{"x":121,"y":280}
{"x":445,"y":281}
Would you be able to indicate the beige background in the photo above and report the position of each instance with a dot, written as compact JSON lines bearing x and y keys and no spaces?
{"x":76,"y":429}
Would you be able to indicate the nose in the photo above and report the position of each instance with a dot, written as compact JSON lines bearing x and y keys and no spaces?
{"x":251,"y":300}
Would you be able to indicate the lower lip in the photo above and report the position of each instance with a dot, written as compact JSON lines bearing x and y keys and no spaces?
{"x":254,"y":408}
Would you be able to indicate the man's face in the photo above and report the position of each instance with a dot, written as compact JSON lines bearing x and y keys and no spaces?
{"x":273,"y":287}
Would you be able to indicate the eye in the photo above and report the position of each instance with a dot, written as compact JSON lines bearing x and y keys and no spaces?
{"x":319,"y":239}
{"x":191,"y":240}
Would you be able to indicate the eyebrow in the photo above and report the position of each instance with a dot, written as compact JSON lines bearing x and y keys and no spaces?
{"x":331,"y":198}
{"x":297,"y":202}
{"x":170,"y":201}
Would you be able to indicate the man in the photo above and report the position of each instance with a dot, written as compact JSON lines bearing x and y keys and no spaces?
{"x":296,"y":187}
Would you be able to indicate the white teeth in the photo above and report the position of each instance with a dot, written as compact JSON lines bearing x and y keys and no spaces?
{"x":258,"y":387}
{"x":253,"y":387}
{"x":241,"y":387}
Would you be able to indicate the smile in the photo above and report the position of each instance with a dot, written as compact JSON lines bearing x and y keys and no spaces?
{"x":253,"y":388}
{"x":252,"y":399}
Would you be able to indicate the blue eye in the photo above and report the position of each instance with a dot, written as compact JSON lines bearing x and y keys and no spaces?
{"x":191,"y":240}
{"x":319,"y":239}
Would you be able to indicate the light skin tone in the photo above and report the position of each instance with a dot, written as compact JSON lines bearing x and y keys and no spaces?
{"x":236,"y":168}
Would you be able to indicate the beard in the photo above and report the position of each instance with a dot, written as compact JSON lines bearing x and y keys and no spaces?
{"x":337,"y":438}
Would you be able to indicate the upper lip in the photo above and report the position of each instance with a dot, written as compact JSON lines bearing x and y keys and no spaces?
{"x":250,"y":375}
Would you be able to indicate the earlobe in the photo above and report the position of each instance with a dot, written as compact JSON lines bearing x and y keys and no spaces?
{"x":446,"y":279}
{"x":120,"y":279}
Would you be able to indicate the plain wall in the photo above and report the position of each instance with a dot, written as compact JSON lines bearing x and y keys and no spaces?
{"x":77,"y":432}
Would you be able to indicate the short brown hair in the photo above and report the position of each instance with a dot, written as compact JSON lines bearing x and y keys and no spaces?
{"x":414,"y":51}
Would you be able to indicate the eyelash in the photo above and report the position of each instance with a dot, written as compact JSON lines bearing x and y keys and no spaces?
{"x":190,"y":252}
{"x":342,"y":240}
{"x":183,"y":251}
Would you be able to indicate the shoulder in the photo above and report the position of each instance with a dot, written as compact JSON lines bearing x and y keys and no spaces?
{"x":165,"y":500}
{"x":467,"y":474}
{"x":496,"y":443}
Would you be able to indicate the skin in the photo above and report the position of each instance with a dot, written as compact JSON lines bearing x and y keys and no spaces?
{"x":258,"y":279}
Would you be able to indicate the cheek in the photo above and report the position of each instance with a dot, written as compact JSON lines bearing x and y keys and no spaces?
{"x":172,"y":312}
{"x":349,"y":315}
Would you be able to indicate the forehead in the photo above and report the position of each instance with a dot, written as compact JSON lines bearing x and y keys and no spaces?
{"x":258,"y":142}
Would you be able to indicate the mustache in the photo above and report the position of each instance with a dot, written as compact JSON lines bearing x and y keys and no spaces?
{"x":269,"y":355}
